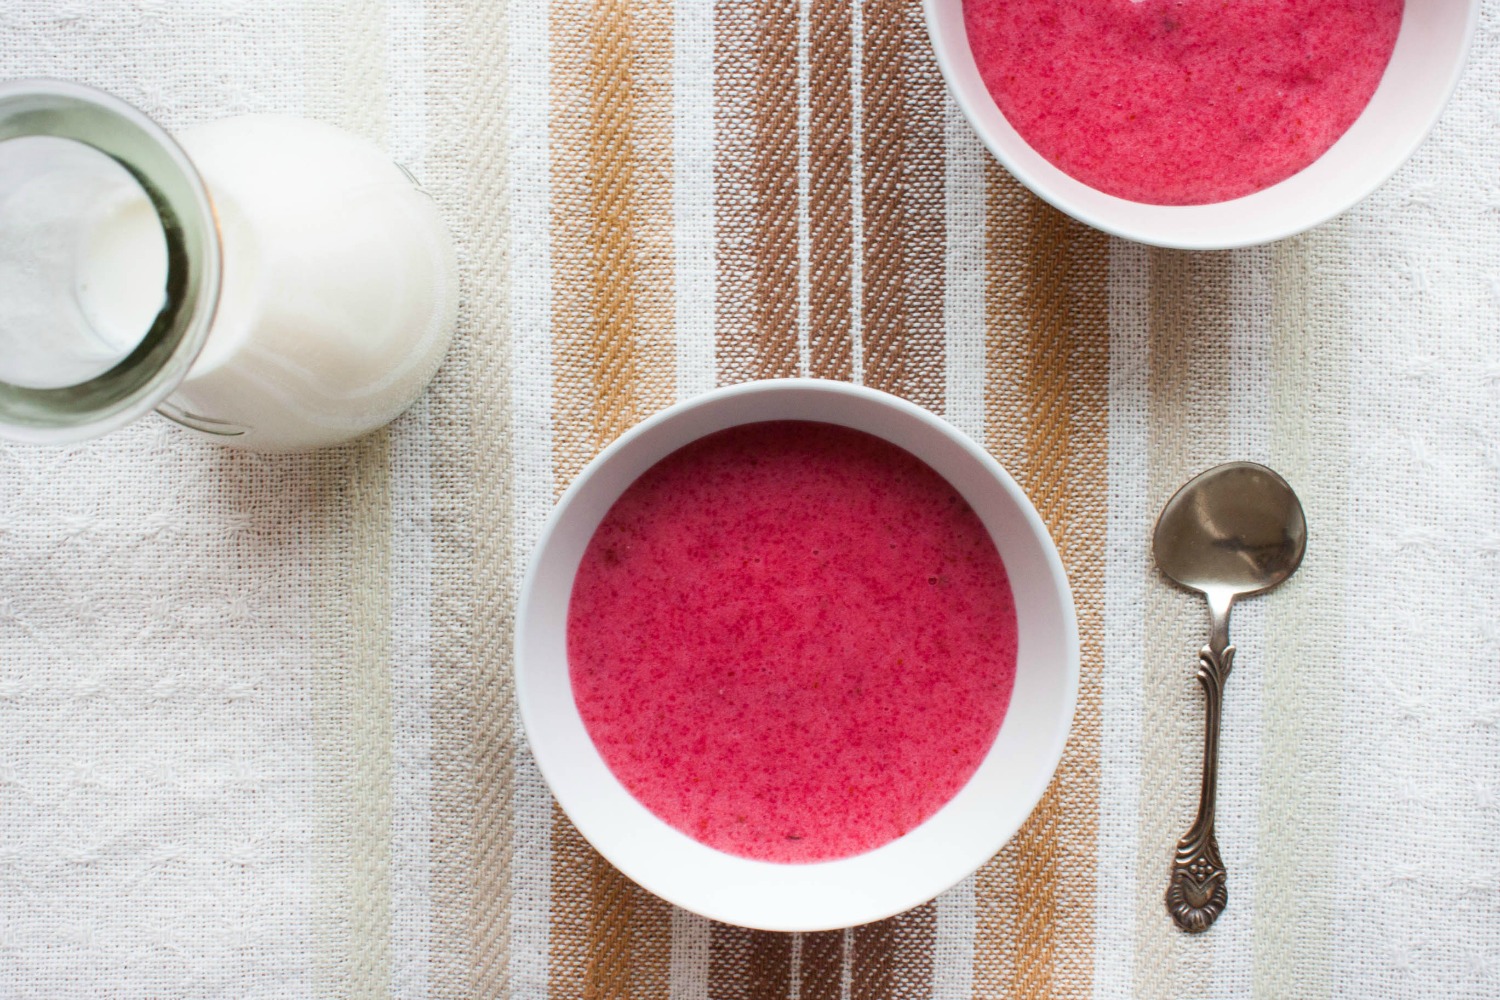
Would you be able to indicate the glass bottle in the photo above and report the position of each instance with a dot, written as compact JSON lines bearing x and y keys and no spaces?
{"x":273,"y":282}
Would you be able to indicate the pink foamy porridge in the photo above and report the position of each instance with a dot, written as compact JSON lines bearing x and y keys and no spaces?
{"x":1181,"y":102}
{"x":792,"y":641}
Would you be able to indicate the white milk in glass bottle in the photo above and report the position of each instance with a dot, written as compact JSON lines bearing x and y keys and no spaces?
{"x":339,"y":288}
{"x":274,"y":282}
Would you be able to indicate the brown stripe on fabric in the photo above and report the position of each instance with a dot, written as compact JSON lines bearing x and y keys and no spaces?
{"x":902,"y":310}
{"x":830,"y":191}
{"x":755,"y":188}
{"x":1188,"y":384}
{"x":610,"y":938}
{"x":613,"y":359}
{"x":1047,"y":350}
{"x":757,"y":332}
{"x":904,"y":233}
{"x":822,"y":966}
{"x":755,"y":182}
{"x":893,"y":958}
{"x":749,"y":965}
{"x":904,"y":254}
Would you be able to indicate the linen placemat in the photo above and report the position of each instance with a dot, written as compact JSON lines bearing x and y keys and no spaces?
{"x":257,"y":728}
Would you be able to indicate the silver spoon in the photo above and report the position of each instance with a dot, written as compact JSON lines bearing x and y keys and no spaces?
{"x":1232,"y":531}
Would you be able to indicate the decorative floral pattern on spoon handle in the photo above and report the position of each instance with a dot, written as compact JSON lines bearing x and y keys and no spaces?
{"x":1197,"y":892}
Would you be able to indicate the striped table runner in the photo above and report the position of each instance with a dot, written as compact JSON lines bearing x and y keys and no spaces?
{"x":314,"y":718}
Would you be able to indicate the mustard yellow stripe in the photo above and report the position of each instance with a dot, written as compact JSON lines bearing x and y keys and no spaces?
{"x":613,"y":358}
{"x":1047,"y":362}
{"x":1010,"y":216}
{"x":612,"y":251}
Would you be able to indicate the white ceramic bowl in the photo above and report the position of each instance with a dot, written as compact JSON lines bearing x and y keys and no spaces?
{"x":1423,"y":72}
{"x":960,"y":837}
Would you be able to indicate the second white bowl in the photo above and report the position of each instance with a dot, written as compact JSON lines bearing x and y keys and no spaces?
{"x":1424,"y":70}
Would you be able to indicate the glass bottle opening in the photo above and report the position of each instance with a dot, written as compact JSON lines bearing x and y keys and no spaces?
{"x":83,"y":263}
{"x":109,"y":262}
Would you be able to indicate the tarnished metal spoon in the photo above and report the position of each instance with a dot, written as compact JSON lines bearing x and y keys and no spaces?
{"x":1232,"y":531}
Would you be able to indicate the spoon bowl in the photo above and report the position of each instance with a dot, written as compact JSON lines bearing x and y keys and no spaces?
{"x":1236,"y":528}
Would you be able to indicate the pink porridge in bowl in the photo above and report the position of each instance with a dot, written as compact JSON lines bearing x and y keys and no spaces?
{"x":1130,"y":117}
{"x":794,"y":655}
{"x":792,"y":641}
{"x":1182,"y":102}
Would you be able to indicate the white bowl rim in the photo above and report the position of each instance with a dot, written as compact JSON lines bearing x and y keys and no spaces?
{"x":1161,"y":236}
{"x":953,"y":868}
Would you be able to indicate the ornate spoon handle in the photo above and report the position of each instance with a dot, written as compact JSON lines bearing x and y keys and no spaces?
{"x":1197,"y":893}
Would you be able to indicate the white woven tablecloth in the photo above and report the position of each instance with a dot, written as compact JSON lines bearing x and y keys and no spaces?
{"x":256,"y":731}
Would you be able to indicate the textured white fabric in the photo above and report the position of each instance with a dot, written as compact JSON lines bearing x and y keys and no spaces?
{"x":693,"y":153}
{"x":693,"y":156}
{"x":156,"y":757}
{"x":963,"y":287}
{"x":411,"y":576}
{"x":963,"y":319}
{"x":1420,"y":752}
{"x":155,"y":733}
{"x":528,"y":152}
{"x":411,"y":711}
